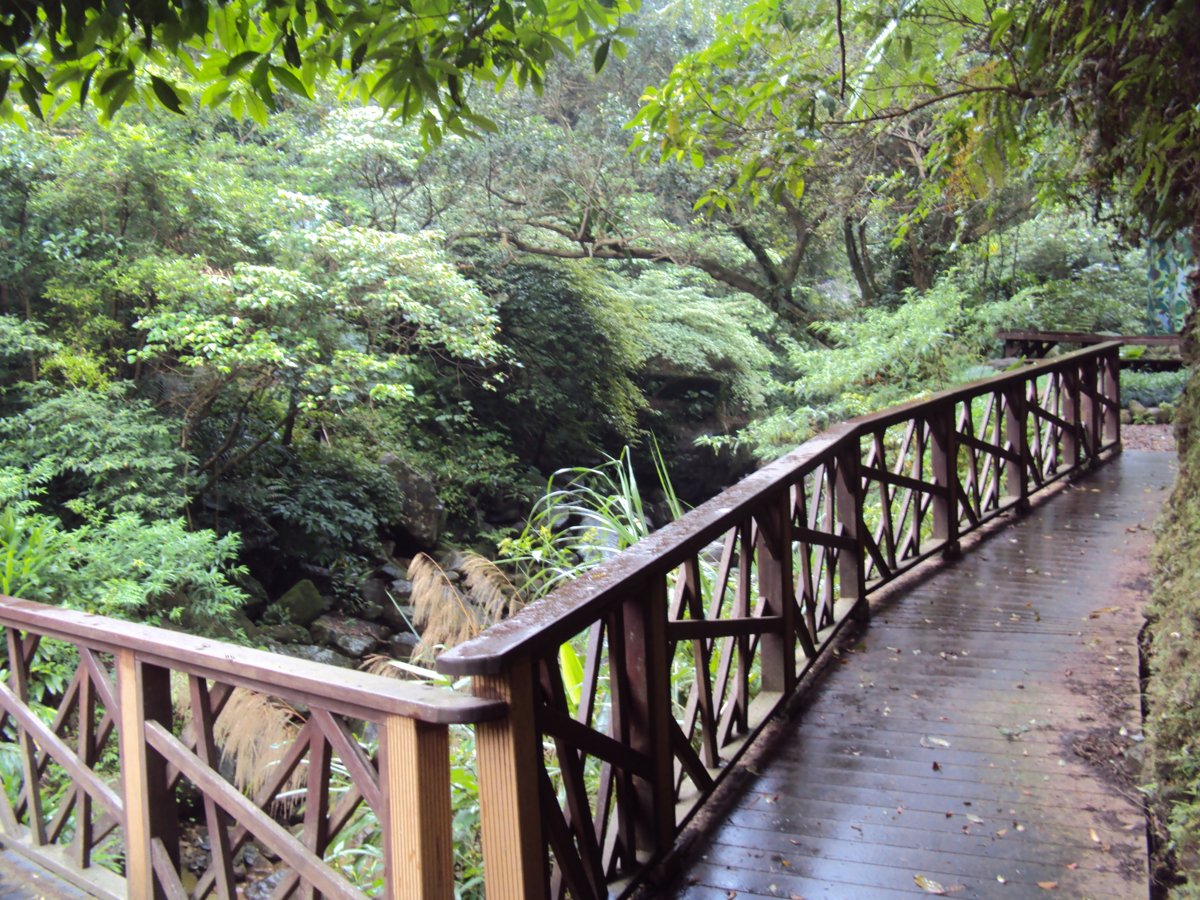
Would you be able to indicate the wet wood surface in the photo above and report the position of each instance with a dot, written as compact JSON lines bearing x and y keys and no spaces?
{"x":980,"y":737}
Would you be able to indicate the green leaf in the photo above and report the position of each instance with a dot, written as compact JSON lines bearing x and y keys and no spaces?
{"x":240,"y":62}
{"x":166,"y":94}
{"x":32,"y":100}
{"x":289,"y":80}
{"x":600,"y":56}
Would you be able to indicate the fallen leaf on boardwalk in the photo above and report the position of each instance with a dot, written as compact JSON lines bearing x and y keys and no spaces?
{"x":1072,"y":866}
{"x":971,"y":817}
{"x":1002,"y":832}
{"x":1094,"y":836}
{"x":795,"y":897}
{"x":1095,"y":614}
{"x":928,"y":742}
{"x":1002,"y":879}
{"x":928,"y":884}
{"x":729,"y":895}
{"x":937,"y":766}
{"x":1048,"y":885}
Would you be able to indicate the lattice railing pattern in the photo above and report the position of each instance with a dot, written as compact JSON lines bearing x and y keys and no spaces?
{"x":644,"y":680}
{"x":104,"y":774}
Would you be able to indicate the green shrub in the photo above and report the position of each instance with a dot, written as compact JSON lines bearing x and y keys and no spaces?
{"x":1152,"y":388}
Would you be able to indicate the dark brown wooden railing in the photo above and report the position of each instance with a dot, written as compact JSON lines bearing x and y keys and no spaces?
{"x":1036,"y":344}
{"x":119,"y":704}
{"x":689,"y":642}
{"x":691,"y":639}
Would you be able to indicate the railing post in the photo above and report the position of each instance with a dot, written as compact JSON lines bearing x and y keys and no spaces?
{"x":777,"y":588}
{"x":414,"y":772}
{"x":1016,"y":430}
{"x":1090,"y":407}
{"x":150,"y":814}
{"x":648,"y":708}
{"x":1112,"y":393}
{"x":944,"y":449}
{"x":509,"y":754}
{"x":852,"y":566}
{"x":1069,"y":412}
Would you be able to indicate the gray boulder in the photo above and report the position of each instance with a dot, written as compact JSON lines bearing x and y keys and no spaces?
{"x":424,"y":514}
{"x":353,"y":637}
{"x":286,"y":633}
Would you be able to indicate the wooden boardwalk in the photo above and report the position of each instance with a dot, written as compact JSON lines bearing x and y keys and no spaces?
{"x":971,"y":738}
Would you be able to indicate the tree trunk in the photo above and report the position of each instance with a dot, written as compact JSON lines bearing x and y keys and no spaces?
{"x":865,"y":288}
{"x":922,"y":280}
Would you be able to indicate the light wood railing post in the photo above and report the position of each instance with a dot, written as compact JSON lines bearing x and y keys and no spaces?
{"x":777,"y":588}
{"x":852,"y":566}
{"x":509,"y":752}
{"x":648,"y":708}
{"x":150,"y":814}
{"x":1016,"y":435}
{"x":943,"y":429}
{"x":414,"y":771}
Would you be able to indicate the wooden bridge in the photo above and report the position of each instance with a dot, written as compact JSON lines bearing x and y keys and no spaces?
{"x":882,"y":771}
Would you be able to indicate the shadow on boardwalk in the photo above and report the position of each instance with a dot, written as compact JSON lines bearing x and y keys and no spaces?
{"x":980,"y":736}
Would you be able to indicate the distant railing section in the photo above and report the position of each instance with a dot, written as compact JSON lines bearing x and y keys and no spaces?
{"x":1036,"y":344}
{"x":631,"y":690}
{"x":114,"y":754}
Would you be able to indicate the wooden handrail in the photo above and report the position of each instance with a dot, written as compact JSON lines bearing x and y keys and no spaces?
{"x":122,"y":690}
{"x":299,"y":681}
{"x":585,"y":782}
{"x":572,"y":606}
{"x":1087,"y":337}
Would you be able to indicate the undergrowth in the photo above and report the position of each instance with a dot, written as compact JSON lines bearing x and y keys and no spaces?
{"x":1173,"y":651}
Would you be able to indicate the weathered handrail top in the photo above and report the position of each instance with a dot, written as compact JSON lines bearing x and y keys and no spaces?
{"x":571,"y":608}
{"x":347,"y":691}
{"x":1083,"y":337}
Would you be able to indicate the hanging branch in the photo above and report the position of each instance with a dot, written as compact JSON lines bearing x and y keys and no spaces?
{"x":842,"y":46}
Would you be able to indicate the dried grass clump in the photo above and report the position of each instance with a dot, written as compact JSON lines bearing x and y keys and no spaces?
{"x":254,"y":733}
{"x":448,"y":615}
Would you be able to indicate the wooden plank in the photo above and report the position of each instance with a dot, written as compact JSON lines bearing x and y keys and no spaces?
{"x":693,"y":629}
{"x":587,"y":740}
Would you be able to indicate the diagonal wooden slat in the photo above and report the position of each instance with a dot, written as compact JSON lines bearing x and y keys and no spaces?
{"x":216,"y":819}
{"x":265,"y":829}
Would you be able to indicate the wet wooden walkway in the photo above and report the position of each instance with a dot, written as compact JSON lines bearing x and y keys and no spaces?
{"x":977,"y":738}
